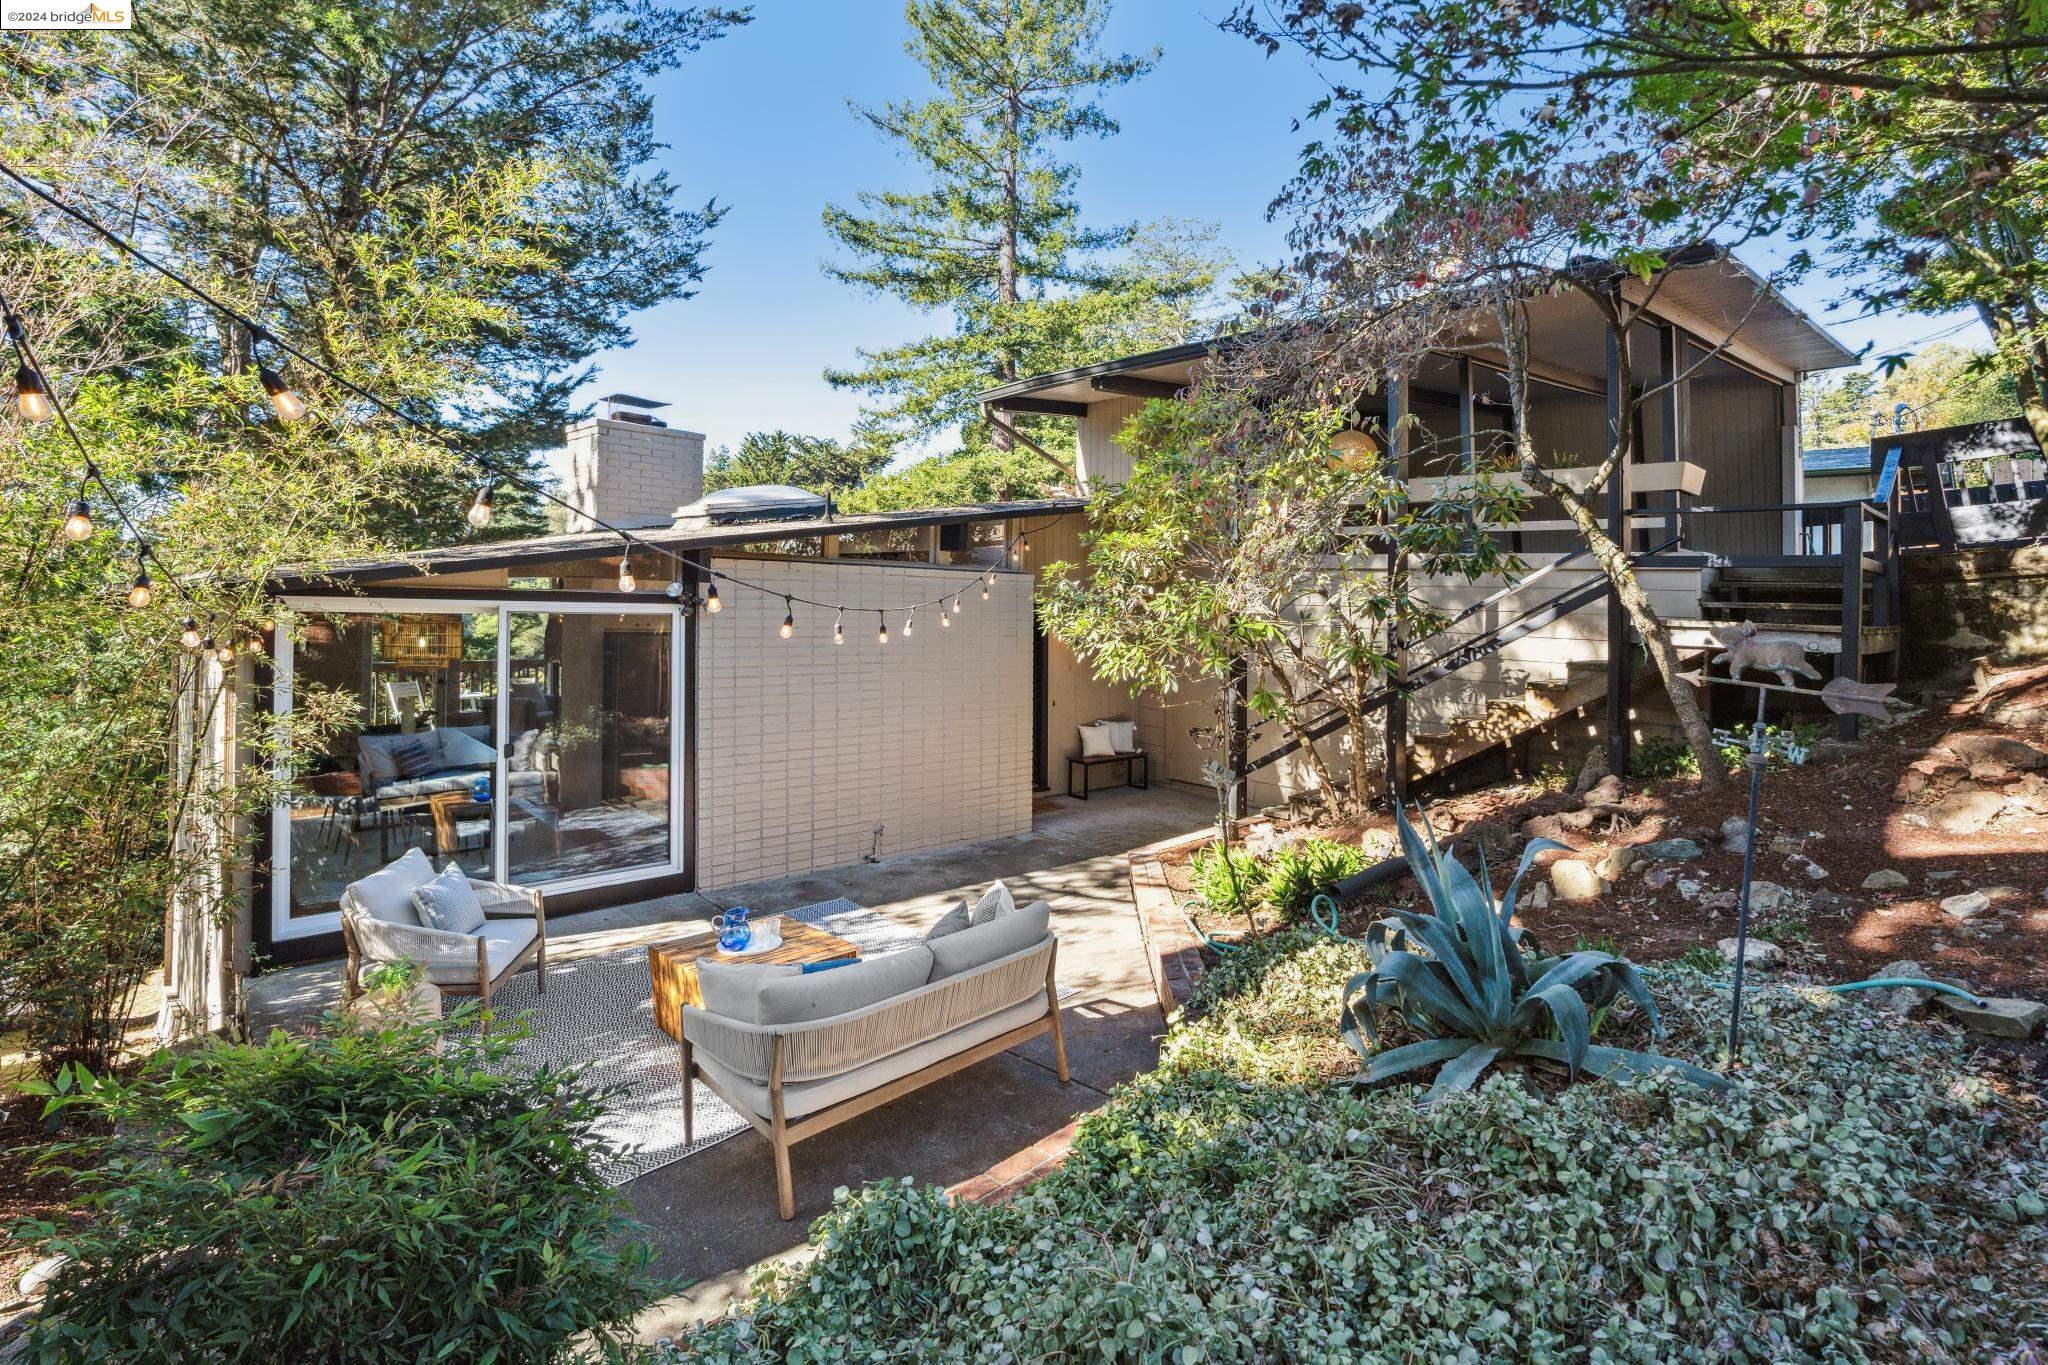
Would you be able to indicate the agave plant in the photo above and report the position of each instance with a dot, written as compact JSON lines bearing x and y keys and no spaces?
{"x":1475,"y":986}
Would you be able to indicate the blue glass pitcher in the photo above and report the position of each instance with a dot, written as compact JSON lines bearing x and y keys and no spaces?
{"x":733,"y":932}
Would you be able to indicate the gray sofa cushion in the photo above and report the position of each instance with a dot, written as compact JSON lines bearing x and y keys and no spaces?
{"x":1006,"y":934}
{"x":503,"y":940}
{"x":820,"y":995}
{"x":733,"y":989}
{"x":386,"y":894}
{"x":952,"y":922}
{"x":461,"y":749}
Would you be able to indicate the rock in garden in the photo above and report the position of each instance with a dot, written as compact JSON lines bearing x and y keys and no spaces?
{"x":1768,"y":898}
{"x":1378,"y":845}
{"x":1607,"y":792}
{"x":1829,"y":903}
{"x":1578,"y":821}
{"x":1757,"y":952}
{"x":1884,"y":879}
{"x":1657,"y":878}
{"x":1975,"y":749}
{"x":1784,"y":845}
{"x":1616,"y":864}
{"x":1717,"y":901}
{"x":1969,"y":905}
{"x":35,"y":1281}
{"x":2005,"y":1017}
{"x":1735,"y":834}
{"x":1539,"y":899}
{"x":1668,"y":850}
{"x":1575,"y":881}
{"x":1966,"y":812}
{"x":1806,"y":866}
{"x":1591,"y":772}
{"x":1901,"y":999}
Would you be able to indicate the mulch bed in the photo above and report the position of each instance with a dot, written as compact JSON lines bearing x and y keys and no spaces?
{"x":1838,"y":811}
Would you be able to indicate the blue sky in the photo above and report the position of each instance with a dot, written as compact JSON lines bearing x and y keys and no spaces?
{"x":760,"y":120}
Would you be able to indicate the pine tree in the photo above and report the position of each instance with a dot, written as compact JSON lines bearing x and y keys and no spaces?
{"x":996,"y":238}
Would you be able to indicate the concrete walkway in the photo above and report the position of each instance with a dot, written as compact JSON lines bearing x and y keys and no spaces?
{"x":712,"y":1216}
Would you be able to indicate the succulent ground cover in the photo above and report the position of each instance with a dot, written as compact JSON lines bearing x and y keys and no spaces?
{"x":1863,"y":1192}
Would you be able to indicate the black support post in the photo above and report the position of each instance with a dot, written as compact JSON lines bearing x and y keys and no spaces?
{"x":1849,"y":663}
{"x":1397,"y":581}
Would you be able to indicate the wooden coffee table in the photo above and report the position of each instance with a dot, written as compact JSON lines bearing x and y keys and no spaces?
{"x":673,"y":965}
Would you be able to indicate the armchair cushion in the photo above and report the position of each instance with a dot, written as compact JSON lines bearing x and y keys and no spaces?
{"x":449,"y":903}
{"x":386,"y":894}
{"x":984,"y":943}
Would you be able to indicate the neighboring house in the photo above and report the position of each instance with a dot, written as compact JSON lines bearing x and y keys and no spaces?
{"x":1838,"y":473}
{"x":1716,"y":500}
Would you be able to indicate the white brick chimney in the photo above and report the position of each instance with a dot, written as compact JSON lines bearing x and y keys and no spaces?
{"x":627,"y":469}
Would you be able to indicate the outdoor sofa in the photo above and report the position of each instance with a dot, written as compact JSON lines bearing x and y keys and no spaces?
{"x":797,"y":1053}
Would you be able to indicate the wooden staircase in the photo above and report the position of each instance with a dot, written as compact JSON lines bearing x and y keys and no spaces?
{"x":1798,"y":599}
{"x":1508,"y":718}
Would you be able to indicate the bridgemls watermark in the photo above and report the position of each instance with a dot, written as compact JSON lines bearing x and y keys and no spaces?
{"x":65,"y":14}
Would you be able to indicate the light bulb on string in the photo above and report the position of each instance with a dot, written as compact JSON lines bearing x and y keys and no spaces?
{"x":839,"y":628}
{"x":141,"y":592}
{"x":206,"y":647}
{"x":627,"y":583}
{"x":986,"y":584}
{"x":676,"y":588}
{"x":881,"y":628}
{"x":189,"y":634}
{"x":711,"y":602}
{"x":288,"y":406}
{"x":788,"y":619}
{"x":32,"y":394}
{"x":909,"y":622}
{"x":945,"y":618}
{"x":226,"y":652}
{"x":956,"y":604}
{"x":481,"y":506}
{"x":78,"y":521}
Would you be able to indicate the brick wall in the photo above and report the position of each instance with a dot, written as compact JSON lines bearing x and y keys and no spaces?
{"x":630,"y":474}
{"x":803,"y":747}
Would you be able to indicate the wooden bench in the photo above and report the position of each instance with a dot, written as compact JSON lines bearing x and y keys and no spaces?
{"x":1137,"y":769}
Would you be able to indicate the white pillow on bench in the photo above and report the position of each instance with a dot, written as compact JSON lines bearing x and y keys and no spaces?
{"x":1096,"y":742}
{"x":1123,"y":735}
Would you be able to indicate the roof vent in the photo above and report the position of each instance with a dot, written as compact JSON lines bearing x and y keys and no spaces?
{"x":624,"y":407}
{"x":762,"y":502}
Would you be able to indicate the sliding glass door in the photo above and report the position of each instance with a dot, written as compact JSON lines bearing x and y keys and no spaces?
{"x":590,"y":745}
{"x":531,"y":745}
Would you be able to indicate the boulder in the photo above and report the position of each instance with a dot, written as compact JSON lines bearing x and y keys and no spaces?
{"x":1758,"y":952}
{"x":35,"y":1281}
{"x":1539,"y":897}
{"x":1884,"y":879}
{"x":2013,"y":753}
{"x":1997,"y":1018}
{"x":1717,"y":901}
{"x":1966,"y":812}
{"x":1575,"y":881}
{"x":1901,"y":999}
{"x":1668,"y":850}
{"x":1735,"y":834}
{"x":1768,"y":898}
{"x":1616,"y":864}
{"x":1969,"y":905}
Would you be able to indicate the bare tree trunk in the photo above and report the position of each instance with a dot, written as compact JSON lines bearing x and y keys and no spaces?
{"x":1006,"y":249}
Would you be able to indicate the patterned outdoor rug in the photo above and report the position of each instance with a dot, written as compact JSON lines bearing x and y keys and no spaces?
{"x":598,"y":1013}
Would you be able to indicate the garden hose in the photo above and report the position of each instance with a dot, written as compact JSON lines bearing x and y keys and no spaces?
{"x":1918,"y":983}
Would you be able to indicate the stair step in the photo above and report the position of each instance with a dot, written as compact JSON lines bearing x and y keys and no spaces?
{"x":1741,"y":608}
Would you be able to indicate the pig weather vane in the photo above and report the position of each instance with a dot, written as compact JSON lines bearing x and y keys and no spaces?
{"x":1784,"y":656}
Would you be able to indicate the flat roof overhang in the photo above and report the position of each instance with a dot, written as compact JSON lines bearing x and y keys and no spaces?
{"x":516,"y":554}
{"x":1720,"y":302}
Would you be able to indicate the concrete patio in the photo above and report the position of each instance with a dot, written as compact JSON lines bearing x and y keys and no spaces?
{"x":712,"y":1215}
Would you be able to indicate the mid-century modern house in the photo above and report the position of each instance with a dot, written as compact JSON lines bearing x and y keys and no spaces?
{"x":533,"y":711}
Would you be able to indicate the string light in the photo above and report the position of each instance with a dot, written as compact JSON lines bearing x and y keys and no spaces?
{"x":956,"y":604}
{"x":986,"y":584}
{"x":78,"y":521}
{"x":288,"y":406}
{"x":226,"y":653}
{"x":788,"y":618}
{"x":627,"y":583}
{"x":909,"y":622}
{"x":206,"y":647}
{"x":32,"y":394}
{"x":711,"y":602}
{"x":882,"y":628}
{"x":480,"y":507}
{"x":141,"y":592}
{"x":839,"y":627}
{"x":676,"y":588}
{"x":189,"y":636}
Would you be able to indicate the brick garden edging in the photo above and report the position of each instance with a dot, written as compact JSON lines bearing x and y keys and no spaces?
{"x":1171,"y":949}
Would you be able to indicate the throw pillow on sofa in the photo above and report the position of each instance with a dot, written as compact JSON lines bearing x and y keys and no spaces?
{"x":983,"y":944}
{"x":952,"y":922}
{"x":449,"y":903}
{"x":994,"y":903}
{"x":417,"y":758}
{"x":460,"y":750}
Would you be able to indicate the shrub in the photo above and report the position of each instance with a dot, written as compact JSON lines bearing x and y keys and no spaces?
{"x":1300,"y":871}
{"x":353,"y":1197}
{"x":1461,"y":981}
{"x":1660,"y":756}
{"x":1859,"y":1194}
{"x":1232,"y":881}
